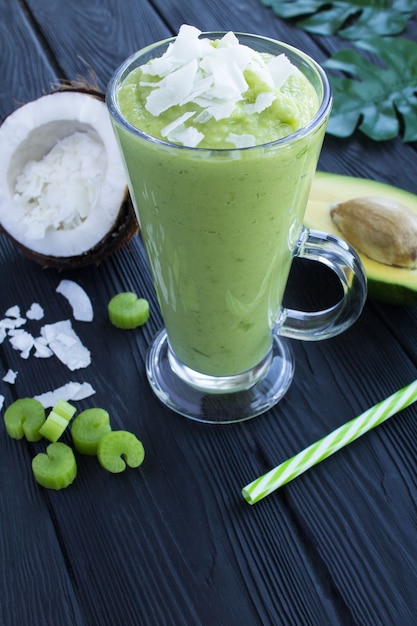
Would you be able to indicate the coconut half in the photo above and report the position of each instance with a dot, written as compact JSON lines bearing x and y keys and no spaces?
{"x":63,"y":190}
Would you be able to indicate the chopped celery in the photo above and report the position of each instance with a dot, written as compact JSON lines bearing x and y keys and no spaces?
{"x":25,"y":417}
{"x":57,"y":420}
{"x":88,"y":428}
{"x":91,"y":434}
{"x":119,"y":448}
{"x":127,"y":311}
{"x":57,"y":468}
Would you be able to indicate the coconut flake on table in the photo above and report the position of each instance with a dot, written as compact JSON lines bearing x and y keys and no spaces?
{"x":70,"y":391}
{"x":13,"y":311}
{"x":10,"y":377}
{"x":3,"y":330}
{"x":66,"y":345}
{"x":13,"y":321}
{"x":59,"y":191}
{"x":35,"y":312}
{"x":1,"y":402}
{"x":82,"y":308}
{"x":192,"y":70}
{"x":22,"y":341}
{"x":41,"y":348}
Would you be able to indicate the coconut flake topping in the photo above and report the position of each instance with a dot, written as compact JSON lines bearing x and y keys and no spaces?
{"x":193,"y":70}
{"x":59,"y":191}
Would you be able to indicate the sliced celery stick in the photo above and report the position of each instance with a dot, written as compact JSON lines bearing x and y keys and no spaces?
{"x":24,"y":418}
{"x":57,"y":468}
{"x":88,"y":428}
{"x":127,"y":311}
{"x":64,"y":409}
{"x":57,"y":420}
{"x":119,"y":448}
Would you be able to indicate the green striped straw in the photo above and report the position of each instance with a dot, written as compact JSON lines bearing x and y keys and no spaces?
{"x":329,"y":444}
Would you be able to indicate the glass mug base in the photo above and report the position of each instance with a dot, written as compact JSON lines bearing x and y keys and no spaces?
{"x":222,"y":400}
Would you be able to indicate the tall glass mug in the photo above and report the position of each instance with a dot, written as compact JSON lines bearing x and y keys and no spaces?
{"x":221,"y":228}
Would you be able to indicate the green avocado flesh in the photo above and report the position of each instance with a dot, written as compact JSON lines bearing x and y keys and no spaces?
{"x":386,"y":283}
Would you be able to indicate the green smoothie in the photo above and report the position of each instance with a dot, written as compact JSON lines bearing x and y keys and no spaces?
{"x":220,"y":217}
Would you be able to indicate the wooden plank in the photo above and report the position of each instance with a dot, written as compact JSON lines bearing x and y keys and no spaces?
{"x":26,"y":70}
{"x":97,"y":35}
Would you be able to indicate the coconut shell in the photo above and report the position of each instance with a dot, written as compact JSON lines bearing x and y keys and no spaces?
{"x":123,"y":230}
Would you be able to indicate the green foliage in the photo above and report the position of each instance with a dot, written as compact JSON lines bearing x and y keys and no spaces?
{"x":378,"y":98}
{"x":352,"y":19}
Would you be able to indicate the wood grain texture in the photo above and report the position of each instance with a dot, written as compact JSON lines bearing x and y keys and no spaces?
{"x":97,"y":35}
{"x":173,"y":543}
{"x":25,"y":71}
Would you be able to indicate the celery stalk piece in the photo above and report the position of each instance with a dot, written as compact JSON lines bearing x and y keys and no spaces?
{"x":25,"y":417}
{"x":127,"y":311}
{"x":57,"y":420}
{"x":88,"y":428}
{"x":57,"y":468}
{"x":119,"y":448}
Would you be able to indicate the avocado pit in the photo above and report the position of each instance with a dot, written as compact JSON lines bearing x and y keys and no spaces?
{"x":383,"y":229}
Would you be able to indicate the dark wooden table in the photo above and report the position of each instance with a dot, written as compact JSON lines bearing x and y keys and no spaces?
{"x":174,"y":543}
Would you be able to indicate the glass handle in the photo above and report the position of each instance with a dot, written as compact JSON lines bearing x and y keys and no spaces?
{"x":340,"y":257}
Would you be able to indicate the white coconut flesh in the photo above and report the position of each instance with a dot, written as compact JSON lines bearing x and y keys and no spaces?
{"x":62,"y":180}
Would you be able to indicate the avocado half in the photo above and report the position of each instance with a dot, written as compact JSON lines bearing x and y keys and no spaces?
{"x":386,"y":283}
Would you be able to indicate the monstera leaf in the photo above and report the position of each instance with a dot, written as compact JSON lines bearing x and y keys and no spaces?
{"x":352,"y":19}
{"x":380,"y":100}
